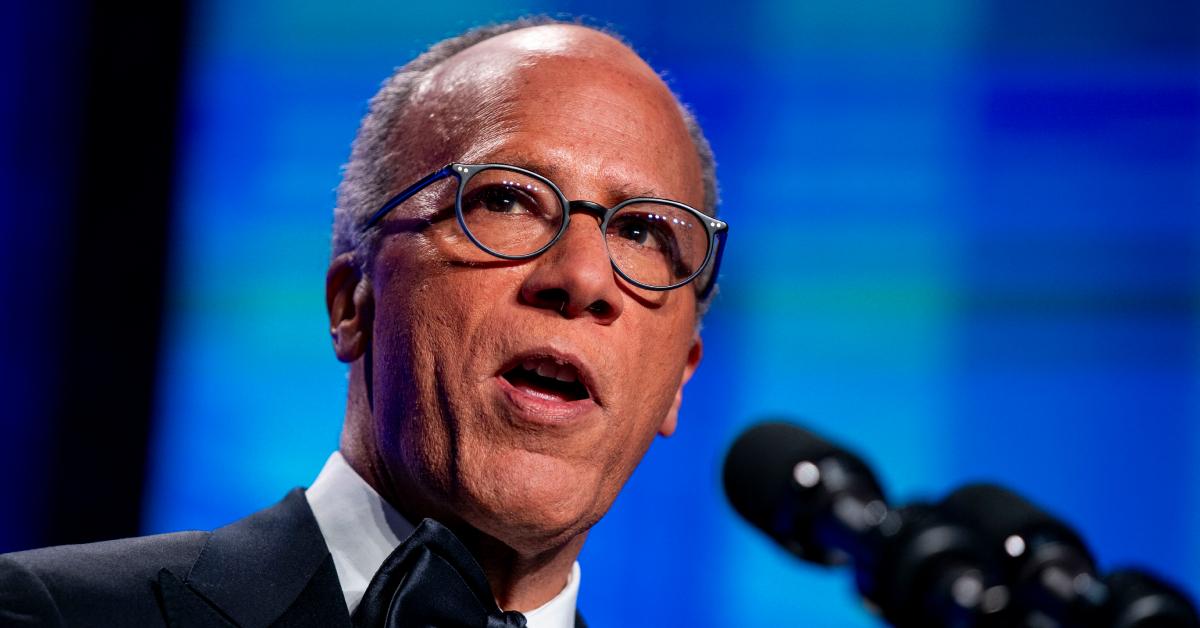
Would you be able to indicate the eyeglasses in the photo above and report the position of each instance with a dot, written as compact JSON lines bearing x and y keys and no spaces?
{"x":514,"y":213}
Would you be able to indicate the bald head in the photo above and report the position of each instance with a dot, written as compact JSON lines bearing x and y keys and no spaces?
{"x":576,"y":85}
{"x":456,"y":99}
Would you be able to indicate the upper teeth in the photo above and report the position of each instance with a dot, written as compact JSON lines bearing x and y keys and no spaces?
{"x":554,"y":369}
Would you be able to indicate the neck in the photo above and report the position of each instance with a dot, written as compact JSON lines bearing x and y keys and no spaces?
{"x":520,"y":580}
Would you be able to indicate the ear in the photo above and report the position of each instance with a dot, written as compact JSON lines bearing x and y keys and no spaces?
{"x":693,"y":360}
{"x":351,"y":306}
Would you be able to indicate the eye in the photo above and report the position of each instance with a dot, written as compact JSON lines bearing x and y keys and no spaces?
{"x":500,"y":199}
{"x":644,"y":240}
{"x":633,"y":230}
{"x":641,"y":231}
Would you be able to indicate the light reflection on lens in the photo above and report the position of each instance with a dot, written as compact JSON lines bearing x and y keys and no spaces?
{"x":655,"y":243}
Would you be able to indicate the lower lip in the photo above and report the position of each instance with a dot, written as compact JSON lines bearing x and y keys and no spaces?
{"x":535,"y":408}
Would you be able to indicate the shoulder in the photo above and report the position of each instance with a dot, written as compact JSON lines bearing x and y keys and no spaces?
{"x":111,"y":560}
{"x":112,"y":579}
{"x":271,"y":567}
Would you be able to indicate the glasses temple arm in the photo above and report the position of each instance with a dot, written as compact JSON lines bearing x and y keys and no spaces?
{"x":406,"y":194}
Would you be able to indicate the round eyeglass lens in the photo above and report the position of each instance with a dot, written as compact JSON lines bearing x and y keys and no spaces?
{"x":656,"y":244}
{"x":510,"y":212}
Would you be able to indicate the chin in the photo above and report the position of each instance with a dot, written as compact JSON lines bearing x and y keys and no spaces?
{"x":534,"y":502}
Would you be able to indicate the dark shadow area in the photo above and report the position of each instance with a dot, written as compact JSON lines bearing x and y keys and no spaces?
{"x":92,"y":106}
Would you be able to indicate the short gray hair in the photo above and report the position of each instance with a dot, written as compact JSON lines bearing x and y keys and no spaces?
{"x":367,"y":179}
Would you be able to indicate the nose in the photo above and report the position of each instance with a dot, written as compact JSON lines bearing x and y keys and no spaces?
{"x":575,"y":277}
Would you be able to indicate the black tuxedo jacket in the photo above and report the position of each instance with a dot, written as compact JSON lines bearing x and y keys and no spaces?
{"x":269,"y":569}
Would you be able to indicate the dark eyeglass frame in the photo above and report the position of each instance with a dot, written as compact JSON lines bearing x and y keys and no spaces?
{"x":716,"y":229}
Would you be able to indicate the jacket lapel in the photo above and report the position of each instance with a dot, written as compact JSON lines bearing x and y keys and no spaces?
{"x":271,"y":568}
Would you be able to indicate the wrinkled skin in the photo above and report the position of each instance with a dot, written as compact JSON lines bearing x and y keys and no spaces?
{"x":435,"y":321}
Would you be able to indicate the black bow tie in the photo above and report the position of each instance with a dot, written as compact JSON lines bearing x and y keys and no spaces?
{"x":431,"y":580}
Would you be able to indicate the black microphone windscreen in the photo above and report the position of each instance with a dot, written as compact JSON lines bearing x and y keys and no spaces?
{"x":1142,"y":600}
{"x":998,"y":514}
{"x":759,"y":467}
{"x":781,"y":478}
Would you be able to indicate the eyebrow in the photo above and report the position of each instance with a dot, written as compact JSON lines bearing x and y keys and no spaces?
{"x":620,"y":190}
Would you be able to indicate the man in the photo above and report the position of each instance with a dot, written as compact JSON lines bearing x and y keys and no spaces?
{"x":510,"y":362}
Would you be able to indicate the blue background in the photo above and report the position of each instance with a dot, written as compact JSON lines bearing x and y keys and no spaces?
{"x":965,"y":241}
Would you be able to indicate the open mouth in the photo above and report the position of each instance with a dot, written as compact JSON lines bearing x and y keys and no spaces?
{"x":547,"y":378}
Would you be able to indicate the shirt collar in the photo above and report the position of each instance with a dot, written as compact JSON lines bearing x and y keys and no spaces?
{"x":361,"y":529}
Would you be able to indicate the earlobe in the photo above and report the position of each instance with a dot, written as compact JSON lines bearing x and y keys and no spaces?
{"x":693,"y":360}
{"x":350,"y":304}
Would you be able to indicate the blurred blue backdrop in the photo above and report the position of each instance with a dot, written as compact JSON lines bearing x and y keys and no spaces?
{"x":965,"y":241}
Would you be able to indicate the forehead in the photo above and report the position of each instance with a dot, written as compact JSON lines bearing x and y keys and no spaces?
{"x":567,"y":101}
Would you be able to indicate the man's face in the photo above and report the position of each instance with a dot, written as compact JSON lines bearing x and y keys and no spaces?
{"x":465,"y":347}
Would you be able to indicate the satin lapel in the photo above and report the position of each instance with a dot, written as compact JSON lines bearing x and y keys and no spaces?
{"x":271,"y":568}
{"x":579,"y":623}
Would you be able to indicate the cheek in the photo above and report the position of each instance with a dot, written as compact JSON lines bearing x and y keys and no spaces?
{"x":655,"y":356}
{"x":653,"y":367}
{"x":418,"y":317}
{"x":432,"y":324}
{"x":434,"y":305}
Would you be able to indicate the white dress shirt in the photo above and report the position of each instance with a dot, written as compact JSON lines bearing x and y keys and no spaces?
{"x":361,"y":530}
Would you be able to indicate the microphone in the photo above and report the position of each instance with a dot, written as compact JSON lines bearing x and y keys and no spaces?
{"x":1052,"y":573}
{"x":806,"y":493}
{"x":983,"y":557}
{"x":1051,"y":570}
{"x":1141,"y":600}
{"x":823,"y":504}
